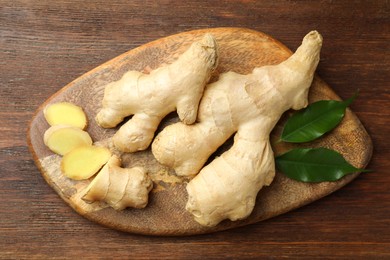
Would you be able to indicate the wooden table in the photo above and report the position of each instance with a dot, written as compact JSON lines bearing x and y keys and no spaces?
{"x":46,"y":44}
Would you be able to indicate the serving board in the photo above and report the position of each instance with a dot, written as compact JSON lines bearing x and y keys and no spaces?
{"x":241,"y":50}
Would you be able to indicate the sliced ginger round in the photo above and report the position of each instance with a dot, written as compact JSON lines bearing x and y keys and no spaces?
{"x":65,"y":113}
{"x":84,"y":161}
{"x":62,"y":139}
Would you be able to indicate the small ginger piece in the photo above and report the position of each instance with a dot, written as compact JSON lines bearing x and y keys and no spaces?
{"x":65,"y":113}
{"x":120,"y":187}
{"x":248,"y":107}
{"x":150,"y":97}
{"x":62,"y":139}
{"x":84,"y":161}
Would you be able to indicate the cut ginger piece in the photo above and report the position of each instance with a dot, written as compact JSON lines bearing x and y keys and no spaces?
{"x":65,"y":113}
{"x":62,"y":139}
{"x":84,"y":161}
{"x":120,"y":187}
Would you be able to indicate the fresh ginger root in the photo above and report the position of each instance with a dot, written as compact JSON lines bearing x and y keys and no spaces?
{"x":120,"y":187}
{"x":250,"y":106}
{"x":227,"y":188}
{"x":65,"y":113}
{"x":62,"y":139}
{"x":84,"y":161}
{"x":150,"y":97}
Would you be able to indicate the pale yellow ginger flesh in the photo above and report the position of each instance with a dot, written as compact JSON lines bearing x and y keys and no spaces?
{"x":247,"y":106}
{"x":84,"y":161}
{"x":65,"y":113}
{"x":150,"y":97}
{"x":62,"y":139}
{"x":120,"y":187}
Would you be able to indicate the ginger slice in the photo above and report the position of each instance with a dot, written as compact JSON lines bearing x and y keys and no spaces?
{"x":62,"y":139}
{"x":65,"y":113}
{"x":84,"y":161}
{"x":120,"y":187}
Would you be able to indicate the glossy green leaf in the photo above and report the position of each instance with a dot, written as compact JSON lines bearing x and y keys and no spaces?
{"x":314,"y":165}
{"x":315,"y":120}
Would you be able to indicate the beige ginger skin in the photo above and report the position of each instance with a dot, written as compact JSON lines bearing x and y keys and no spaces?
{"x":120,"y":187}
{"x":248,"y":106}
{"x":150,"y":97}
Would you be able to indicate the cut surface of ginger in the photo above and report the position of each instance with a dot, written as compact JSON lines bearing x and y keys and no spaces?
{"x":84,"y":161}
{"x":65,"y":113}
{"x":62,"y":139}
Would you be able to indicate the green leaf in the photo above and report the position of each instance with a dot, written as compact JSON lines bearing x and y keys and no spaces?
{"x":314,"y":165}
{"x":315,"y":120}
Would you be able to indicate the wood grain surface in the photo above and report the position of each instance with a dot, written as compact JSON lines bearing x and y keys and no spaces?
{"x":46,"y":44}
